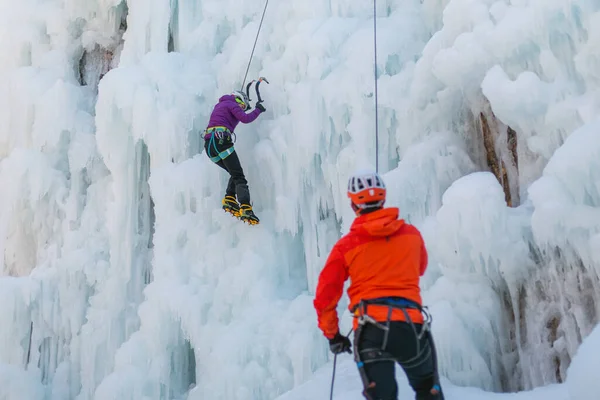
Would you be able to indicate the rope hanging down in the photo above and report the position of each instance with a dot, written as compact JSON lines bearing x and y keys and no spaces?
{"x":376,"y":94}
{"x":254,"y":47}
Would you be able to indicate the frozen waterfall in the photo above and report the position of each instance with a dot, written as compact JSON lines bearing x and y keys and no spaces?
{"x":122,"y":278}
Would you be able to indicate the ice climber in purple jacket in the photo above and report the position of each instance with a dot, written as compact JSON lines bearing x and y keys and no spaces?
{"x":218,"y":143}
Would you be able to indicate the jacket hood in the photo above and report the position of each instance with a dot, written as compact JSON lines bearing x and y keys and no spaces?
{"x":382,"y":222}
{"x":227,"y":97}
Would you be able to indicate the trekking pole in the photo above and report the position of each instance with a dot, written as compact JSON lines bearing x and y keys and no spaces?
{"x":334,"y":364}
{"x":333,"y":376}
{"x":29,"y":346}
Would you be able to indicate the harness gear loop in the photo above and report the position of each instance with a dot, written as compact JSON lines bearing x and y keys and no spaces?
{"x":372,"y":355}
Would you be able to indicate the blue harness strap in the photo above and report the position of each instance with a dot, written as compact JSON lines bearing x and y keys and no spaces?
{"x":219,"y":132}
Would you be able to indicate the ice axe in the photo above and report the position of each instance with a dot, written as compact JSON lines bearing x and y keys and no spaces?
{"x":256,"y":88}
{"x":248,"y":92}
{"x":260,"y":80}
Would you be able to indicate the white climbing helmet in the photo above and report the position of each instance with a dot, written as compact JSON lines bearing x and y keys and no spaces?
{"x":241,"y":98}
{"x":366,"y":189}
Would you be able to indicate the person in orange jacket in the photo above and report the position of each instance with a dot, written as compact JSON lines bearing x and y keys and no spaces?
{"x":384,"y":257}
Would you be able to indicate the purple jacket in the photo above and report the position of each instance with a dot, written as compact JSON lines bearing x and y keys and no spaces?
{"x":228,"y":113}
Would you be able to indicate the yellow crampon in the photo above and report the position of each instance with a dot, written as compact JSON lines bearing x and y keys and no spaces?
{"x":231,"y":206}
{"x":248,"y":216}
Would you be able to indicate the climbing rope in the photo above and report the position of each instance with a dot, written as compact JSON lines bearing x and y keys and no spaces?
{"x":254,"y":47}
{"x":376,"y":94}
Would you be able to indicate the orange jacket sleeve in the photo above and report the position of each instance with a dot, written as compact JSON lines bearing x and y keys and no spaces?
{"x":424,"y":258}
{"x":329,"y":291}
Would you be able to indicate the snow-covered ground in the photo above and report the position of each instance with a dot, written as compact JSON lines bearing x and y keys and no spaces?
{"x":123,"y":279}
{"x":347,"y":386}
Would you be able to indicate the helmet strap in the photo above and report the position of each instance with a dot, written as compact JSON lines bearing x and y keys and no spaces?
{"x":241,"y":103}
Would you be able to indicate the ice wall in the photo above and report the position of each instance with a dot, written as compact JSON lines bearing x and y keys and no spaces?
{"x":566,"y":225}
{"x":528,"y":66}
{"x":581,"y":373}
{"x":137,"y":285}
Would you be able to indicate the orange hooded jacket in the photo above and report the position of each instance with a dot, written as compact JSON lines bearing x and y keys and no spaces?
{"x":384,"y":257}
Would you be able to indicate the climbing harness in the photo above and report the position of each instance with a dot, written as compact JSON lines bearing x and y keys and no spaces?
{"x":372,"y":355}
{"x":376,"y":91}
{"x":220,"y":134}
{"x":255,"y":40}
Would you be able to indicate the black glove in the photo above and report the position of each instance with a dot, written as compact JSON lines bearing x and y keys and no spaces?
{"x":340,"y":344}
{"x":260,"y":107}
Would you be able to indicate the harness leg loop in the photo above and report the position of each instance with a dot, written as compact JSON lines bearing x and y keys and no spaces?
{"x":377,"y":355}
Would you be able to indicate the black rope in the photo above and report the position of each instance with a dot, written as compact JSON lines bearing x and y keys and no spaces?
{"x":376,"y":94}
{"x":254,"y":47}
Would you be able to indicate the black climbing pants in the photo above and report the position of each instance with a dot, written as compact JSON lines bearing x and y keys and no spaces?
{"x":237,"y":185}
{"x":402,"y":346}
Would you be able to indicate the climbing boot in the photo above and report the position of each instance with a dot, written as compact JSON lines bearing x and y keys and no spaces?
{"x":231,"y":206}
{"x":248,"y":216}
